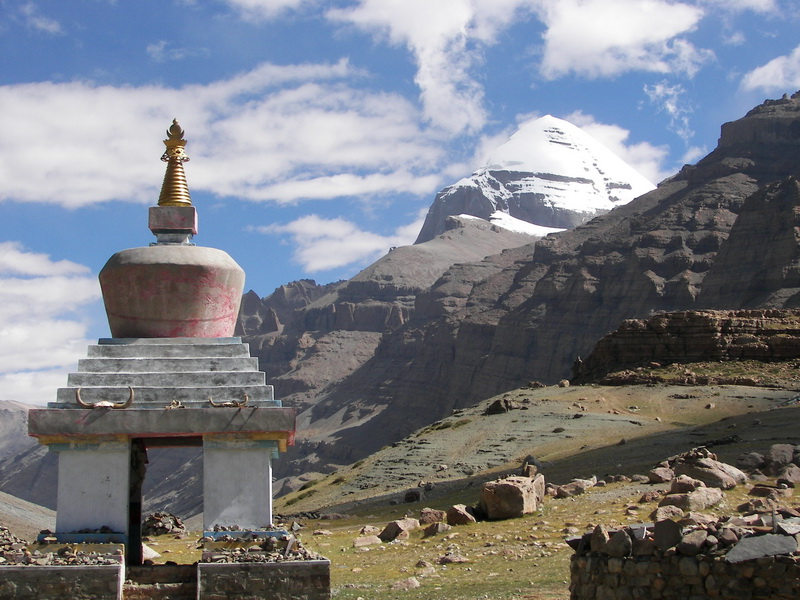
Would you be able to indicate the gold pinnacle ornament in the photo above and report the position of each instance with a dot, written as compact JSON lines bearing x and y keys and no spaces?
{"x":175,"y":190}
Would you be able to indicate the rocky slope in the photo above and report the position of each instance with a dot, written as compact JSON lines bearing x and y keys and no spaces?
{"x":693,"y":336}
{"x":549,"y":173}
{"x":528,"y":313}
{"x":334,"y":330}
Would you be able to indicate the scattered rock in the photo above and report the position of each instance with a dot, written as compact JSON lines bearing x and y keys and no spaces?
{"x":500,"y":406}
{"x":510,"y":497}
{"x":790,"y":473}
{"x":650,"y":496}
{"x":161,"y":523}
{"x":369,"y":530}
{"x":436,"y":529}
{"x":698,"y":500}
{"x":660,"y":475}
{"x":406,"y":584}
{"x":619,"y":545}
{"x":684,"y":484}
{"x":460,"y":514}
{"x":453,"y":558}
{"x":666,"y":534}
{"x":431,"y":515}
{"x":751,"y":461}
{"x":692,"y":542}
{"x":399,"y":529}
{"x":599,"y":539}
{"x":366,"y":540}
{"x":668,"y":511}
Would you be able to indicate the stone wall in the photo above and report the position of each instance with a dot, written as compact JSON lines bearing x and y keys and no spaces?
{"x":62,"y":583}
{"x":156,"y":582}
{"x":596,"y":576}
{"x":300,"y":580}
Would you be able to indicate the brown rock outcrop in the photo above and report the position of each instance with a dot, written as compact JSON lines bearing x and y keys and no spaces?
{"x":510,"y":497}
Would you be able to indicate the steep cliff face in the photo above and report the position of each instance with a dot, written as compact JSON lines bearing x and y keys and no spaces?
{"x":759,"y":265}
{"x":325,"y":334}
{"x":694,"y":336}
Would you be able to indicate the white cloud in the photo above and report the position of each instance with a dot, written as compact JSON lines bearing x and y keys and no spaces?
{"x":604,"y":38}
{"x":670,"y":99}
{"x":323,"y":244}
{"x":446,"y":38}
{"x":693,"y":154}
{"x":14,"y":259}
{"x":257,"y":10}
{"x":42,"y":328}
{"x":779,"y":74}
{"x":162,"y":51}
{"x":273,"y":127}
{"x":35,"y":20}
{"x":644,"y":157}
{"x":437,"y":35}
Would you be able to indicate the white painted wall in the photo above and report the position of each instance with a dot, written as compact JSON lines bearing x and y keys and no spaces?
{"x":93,"y":487}
{"x":237,"y":486}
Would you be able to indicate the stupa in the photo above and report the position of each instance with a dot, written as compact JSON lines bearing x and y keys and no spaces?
{"x":172,"y":374}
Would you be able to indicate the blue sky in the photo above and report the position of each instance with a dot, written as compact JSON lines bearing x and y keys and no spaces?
{"x":320,"y":132}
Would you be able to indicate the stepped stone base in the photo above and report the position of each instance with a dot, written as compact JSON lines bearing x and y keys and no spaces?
{"x":167,"y":371}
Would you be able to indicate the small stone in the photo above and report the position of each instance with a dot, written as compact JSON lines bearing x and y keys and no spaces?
{"x":660,"y":475}
{"x":452,"y":558}
{"x":436,"y":529}
{"x":460,"y":514}
{"x":666,"y":512}
{"x":366,"y":540}
{"x":406,"y":584}
{"x":666,"y":534}
{"x":396,"y":529}
{"x":619,"y":545}
{"x":684,"y":484}
{"x":650,"y":496}
{"x":727,"y":536}
{"x":692,"y":542}
{"x":431,"y":515}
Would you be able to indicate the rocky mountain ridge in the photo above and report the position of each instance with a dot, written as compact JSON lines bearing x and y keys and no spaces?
{"x":526,"y":314}
{"x":694,"y":336}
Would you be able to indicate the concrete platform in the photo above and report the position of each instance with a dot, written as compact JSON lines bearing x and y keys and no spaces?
{"x":50,"y":424}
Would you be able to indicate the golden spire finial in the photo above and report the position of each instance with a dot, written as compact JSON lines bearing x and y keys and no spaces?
{"x":175,"y":190}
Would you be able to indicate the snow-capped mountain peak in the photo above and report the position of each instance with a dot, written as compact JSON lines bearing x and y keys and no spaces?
{"x":549,"y":173}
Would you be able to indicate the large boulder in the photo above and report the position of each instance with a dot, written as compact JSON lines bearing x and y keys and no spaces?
{"x":399,"y":529}
{"x":712,"y":472}
{"x":509,"y":498}
{"x":698,"y":500}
